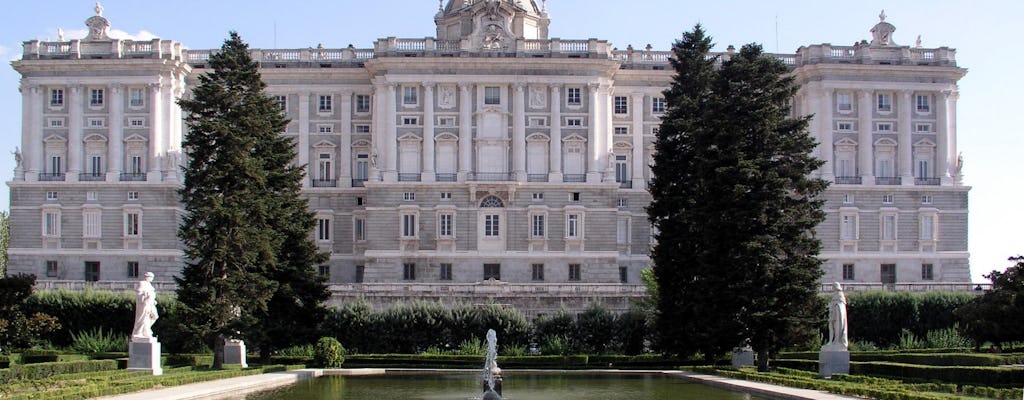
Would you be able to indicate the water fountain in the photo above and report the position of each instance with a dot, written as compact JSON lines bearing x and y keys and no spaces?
{"x":491,"y":373}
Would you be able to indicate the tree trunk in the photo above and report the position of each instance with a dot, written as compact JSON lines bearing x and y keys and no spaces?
{"x":265,"y":354}
{"x":762,"y":359}
{"x":218,"y":352}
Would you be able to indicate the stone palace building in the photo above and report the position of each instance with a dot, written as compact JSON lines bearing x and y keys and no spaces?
{"x":491,"y":163}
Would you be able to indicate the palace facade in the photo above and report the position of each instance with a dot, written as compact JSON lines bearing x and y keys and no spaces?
{"x":489,"y":163}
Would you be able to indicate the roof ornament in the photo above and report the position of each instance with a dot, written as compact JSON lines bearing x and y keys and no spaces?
{"x":60,"y":34}
{"x":544,"y":5}
{"x":881,"y":33}
{"x":917,"y":43}
{"x":99,"y":9}
{"x":881,"y":17}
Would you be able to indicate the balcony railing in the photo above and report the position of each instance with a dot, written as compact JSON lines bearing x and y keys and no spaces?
{"x":358,"y":182}
{"x":409,"y":177}
{"x":325,"y":183}
{"x":537,"y":177}
{"x":490,"y":176}
{"x":888,"y":180}
{"x":446,"y":177}
{"x":927,"y":181}
{"x":91,"y":177}
{"x":626,"y":184}
{"x":574,"y":178}
{"x":848,"y":180}
{"x":133,"y":177}
{"x":51,"y":176}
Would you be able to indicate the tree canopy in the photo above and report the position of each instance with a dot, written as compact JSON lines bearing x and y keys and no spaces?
{"x":733,"y":205}
{"x":995,"y":315}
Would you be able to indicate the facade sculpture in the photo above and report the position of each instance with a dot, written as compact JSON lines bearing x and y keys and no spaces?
{"x":145,"y":308}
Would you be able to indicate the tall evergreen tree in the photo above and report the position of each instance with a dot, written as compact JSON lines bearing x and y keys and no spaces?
{"x":733,"y":205}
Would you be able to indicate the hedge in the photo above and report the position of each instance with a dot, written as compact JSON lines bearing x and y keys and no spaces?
{"x":880,"y":317}
{"x":886,"y":392}
{"x":939,"y":359}
{"x":43,"y":370}
{"x":984,"y":376}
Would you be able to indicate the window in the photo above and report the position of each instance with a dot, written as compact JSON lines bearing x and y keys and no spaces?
{"x":56,"y":164}
{"x":92,"y":271}
{"x":537,"y":226}
{"x":492,"y":95}
{"x":131,"y":223}
{"x":492,"y":271}
{"x":655,"y":130}
{"x":445,"y":225}
{"x":844,"y":102}
{"x":410,"y":121}
{"x":621,"y":130}
{"x":621,"y":169}
{"x":923,"y":103}
{"x":574,"y":122}
{"x":538,"y":196}
{"x":95,"y":165}
{"x":622,"y":231}
{"x":96,"y":97}
{"x":847,"y":198}
{"x":326,"y":103}
{"x":888,"y":227}
{"x":362,"y":103}
{"x":887,"y":199}
{"x":446,"y":195}
{"x":409,"y":271}
{"x":132,"y":269}
{"x":883,"y":127}
{"x":923,"y":128}
{"x":927,"y":227}
{"x":282,"y":103}
{"x":923,"y":169}
{"x":91,"y":195}
{"x":56,"y":97}
{"x":359,"y":201}
{"x":446,"y":121}
{"x":575,"y":272}
{"x":492,"y":225}
{"x":849,"y":273}
{"x":55,"y":122}
{"x":574,"y":196}
{"x":325,"y":128}
{"x":408,"y":225}
{"x":658,"y":105}
{"x":888,"y":274}
{"x":324,"y":271}
{"x":51,"y":195}
{"x":362,"y":128}
{"x":360,"y":273}
{"x":538,"y":121}
{"x":844,"y":126}
{"x":136,"y":122}
{"x":51,"y":269}
{"x":51,"y":223}
{"x":622,"y":202}
{"x":97,"y":122}
{"x":135,"y":98}
{"x":623,"y":274}
{"x":848,"y":228}
{"x":927,"y":272}
{"x":572,"y":226}
{"x":362,"y":167}
{"x":323,"y":229}
{"x":572,"y":96}
{"x":446,"y":272}
{"x":359,"y":229}
{"x":133,"y":195}
{"x":410,"y":95}
{"x":884,"y":102}
{"x":409,"y":196}
{"x":91,"y":223}
{"x":621,"y":104}
{"x":135,"y":164}
{"x":926,"y":199}
{"x":537,"y":272}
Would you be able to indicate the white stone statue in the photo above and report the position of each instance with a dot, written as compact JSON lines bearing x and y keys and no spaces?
{"x":837,"y":328}
{"x":17,"y":156}
{"x":145,"y":308}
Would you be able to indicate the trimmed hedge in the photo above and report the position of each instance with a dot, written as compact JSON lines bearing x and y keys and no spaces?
{"x":880,"y":317}
{"x":934,"y":359}
{"x":983,"y":376}
{"x":890,"y":391}
{"x":44,"y":370}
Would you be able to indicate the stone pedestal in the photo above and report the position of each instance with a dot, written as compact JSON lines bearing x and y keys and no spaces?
{"x":234,"y":352}
{"x":144,"y":355}
{"x":833,"y":361}
{"x":742,"y":357}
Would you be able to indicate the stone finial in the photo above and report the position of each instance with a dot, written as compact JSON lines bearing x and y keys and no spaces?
{"x":917,"y":43}
{"x":881,"y":33}
{"x":98,"y":26}
{"x":881,"y":16}
{"x":60,"y":34}
{"x":544,"y":5}
{"x":99,"y":9}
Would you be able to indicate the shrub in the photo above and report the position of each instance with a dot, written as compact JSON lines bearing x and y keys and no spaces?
{"x":595,"y":330}
{"x":44,"y":370}
{"x":98,"y":341}
{"x":305,"y":350}
{"x":472,"y":347}
{"x":328,"y":353}
{"x":555,"y":345}
{"x":909,"y":341}
{"x":984,"y":376}
{"x":947,"y":338}
{"x":21,"y":327}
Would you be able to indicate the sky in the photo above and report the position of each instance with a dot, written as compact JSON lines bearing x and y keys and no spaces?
{"x":988,"y":137}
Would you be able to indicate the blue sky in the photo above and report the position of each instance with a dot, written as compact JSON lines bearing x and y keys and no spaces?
{"x":985,"y":34}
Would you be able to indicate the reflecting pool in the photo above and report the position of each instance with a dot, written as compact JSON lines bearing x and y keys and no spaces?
{"x":516,"y":386}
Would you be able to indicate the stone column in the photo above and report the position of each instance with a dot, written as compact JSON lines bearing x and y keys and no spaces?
{"x":952,"y":155}
{"x":168,"y":121}
{"x":156,"y":132}
{"x":377,"y":130}
{"x":465,"y":131}
{"x":865,"y":160}
{"x":345,"y":153}
{"x":115,"y":136}
{"x":555,"y":146}
{"x":905,"y":147}
{"x":303,"y":142}
{"x":390,"y":135}
{"x":428,"y":174}
{"x":519,"y":133}
{"x":75,"y":124}
{"x":825,"y":145}
{"x":593,"y":143}
{"x":33,"y":156}
{"x":638,"y":141}
{"x":942,"y":166}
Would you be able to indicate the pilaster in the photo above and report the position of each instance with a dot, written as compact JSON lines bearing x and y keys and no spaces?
{"x":428,"y":174}
{"x":825,"y":144}
{"x":942,"y":137}
{"x":32,"y":142}
{"x":390,"y":136}
{"x":519,"y":132}
{"x":303,"y":142}
{"x":465,"y":130}
{"x":555,"y":145}
{"x":115,"y":139}
{"x":156,"y":132}
{"x":906,"y":148}
{"x":75,"y":125}
{"x":864,"y":143}
{"x":345,"y":154}
{"x":638,"y":141}
{"x":593,"y":143}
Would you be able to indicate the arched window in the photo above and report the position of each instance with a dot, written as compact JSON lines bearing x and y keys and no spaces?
{"x":492,"y":202}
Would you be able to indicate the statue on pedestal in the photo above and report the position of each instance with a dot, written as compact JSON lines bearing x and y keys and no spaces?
{"x":145,"y":308}
{"x":837,"y":328}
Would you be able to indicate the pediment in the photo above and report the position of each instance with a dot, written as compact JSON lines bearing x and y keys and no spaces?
{"x":136,"y":138}
{"x":885,"y":142}
{"x":55,"y":139}
{"x":846,"y":142}
{"x":538,"y":137}
{"x":95,"y":138}
{"x":408,"y":137}
{"x":361,"y":143}
{"x":924,"y":143}
{"x":325,"y":143}
{"x":446,"y":137}
{"x":574,"y":138}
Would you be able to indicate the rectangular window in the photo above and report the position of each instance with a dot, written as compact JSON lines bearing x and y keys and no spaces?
{"x":96,"y":97}
{"x":92,"y":271}
{"x":537,"y":227}
{"x":133,"y":195}
{"x":410,"y":121}
{"x":409,"y":225}
{"x":326,"y":103}
{"x":655,"y":130}
{"x":56,"y":122}
{"x":362,"y":128}
{"x":888,"y":227}
{"x":362,"y":167}
{"x":537,"y":272}
{"x":887,"y":199}
{"x":359,"y":229}
{"x":572,"y":226}
{"x":51,"y":269}
{"x":282,"y":103}
{"x":492,"y":95}
{"x":136,"y":122}
{"x":923,"y":169}
{"x":56,"y":97}
{"x":574,"y":197}
{"x":572,"y":96}
{"x":445,"y":225}
{"x":323,"y":229}
{"x":927,"y":272}
{"x":492,"y":225}
{"x":848,"y":198}
{"x":51,"y":195}
{"x":538,"y":196}
{"x":410,"y":95}
{"x":324,"y":271}
{"x":492,"y":271}
{"x":91,"y":224}
{"x":409,"y":271}
{"x":848,"y":230}
{"x":91,"y":195}
{"x":135,"y":164}
{"x":362,"y":103}
{"x":446,"y":195}
{"x":56,"y":164}
{"x":849,"y":273}
{"x":136,"y":98}
{"x":575,"y":272}
{"x":926,"y":199}
{"x":888,"y":273}
{"x":884,"y":102}
{"x":538,"y":121}
{"x":95,"y":165}
{"x":622,"y":231}
{"x":97,"y":122}
{"x":927,"y":227}
{"x":621,"y":130}
{"x":325,"y":128}
{"x":621,"y":169}
{"x":131,"y":224}
{"x":622,"y":202}
{"x":844,"y":126}
{"x":844,"y":101}
{"x":409,"y":196}
{"x":923,"y":128}
{"x":883,"y":127}
{"x":623,"y":274}
{"x":923,"y":103}
{"x":574,"y":122}
{"x":621,"y":104}
{"x":658,"y":105}
{"x":360,"y":273}
{"x":446,"y":272}
{"x":132,"y":268}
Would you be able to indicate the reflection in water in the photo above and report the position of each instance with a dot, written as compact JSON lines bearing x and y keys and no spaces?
{"x":517,"y":386}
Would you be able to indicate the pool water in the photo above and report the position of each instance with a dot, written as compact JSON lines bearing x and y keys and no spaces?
{"x":516,"y":386}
